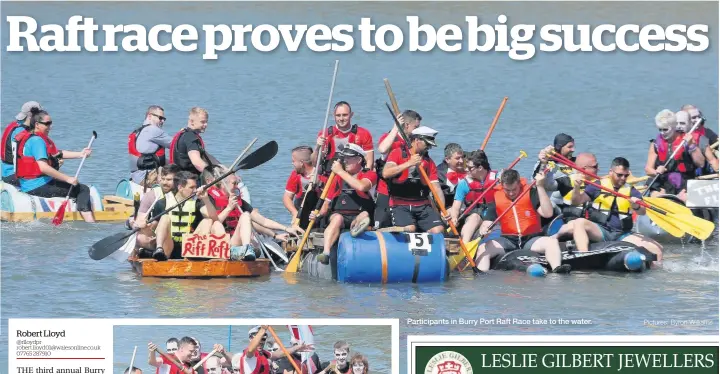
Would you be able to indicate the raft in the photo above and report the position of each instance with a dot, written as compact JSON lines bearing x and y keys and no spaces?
{"x":215,"y":268}
{"x":127,"y":189}
{"x":16,"y":206}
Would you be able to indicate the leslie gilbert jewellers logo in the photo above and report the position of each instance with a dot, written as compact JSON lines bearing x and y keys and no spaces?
{"x":448,"y":362}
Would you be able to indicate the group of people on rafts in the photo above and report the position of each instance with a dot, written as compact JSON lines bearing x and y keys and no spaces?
{"x":262,"y":355}
{"x":384,"y":192}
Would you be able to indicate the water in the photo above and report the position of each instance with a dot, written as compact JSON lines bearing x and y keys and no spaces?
{"x":606,"y":101}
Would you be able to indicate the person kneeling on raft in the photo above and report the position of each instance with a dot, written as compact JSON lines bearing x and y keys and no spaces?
{"x":195,"y":216}
{"x":38,"y":164}
{"x":348,"y":200}
{"x":610,"y":217}
{"x":410,"y":207}
{"x":520,"y":227}
{"x":238,"y":216}
{"x":469,"y":188}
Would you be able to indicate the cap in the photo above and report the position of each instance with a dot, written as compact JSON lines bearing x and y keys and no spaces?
{"x":425,"y":133}
{"x":562,"y":140}
{"x":26,"y":109}
{"x":254,"y":331}
{"x":350,"y":150}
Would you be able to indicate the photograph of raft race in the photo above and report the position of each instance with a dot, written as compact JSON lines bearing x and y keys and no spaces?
{"x":429,"y":187}
{"x":273,"y":349}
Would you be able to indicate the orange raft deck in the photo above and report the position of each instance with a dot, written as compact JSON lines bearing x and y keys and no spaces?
{"x":214,"y":268}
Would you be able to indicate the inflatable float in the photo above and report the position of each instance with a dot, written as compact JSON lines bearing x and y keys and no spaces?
{"x":16,"y":206}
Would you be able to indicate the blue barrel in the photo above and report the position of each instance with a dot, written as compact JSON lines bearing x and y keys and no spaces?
{"x":383,"y":257}
{"x":124,"y":189}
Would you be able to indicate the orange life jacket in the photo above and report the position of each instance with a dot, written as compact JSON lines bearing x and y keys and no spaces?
{"x":522,"y":219}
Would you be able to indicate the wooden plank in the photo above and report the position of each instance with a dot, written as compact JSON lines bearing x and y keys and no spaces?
{"x":200,"y":269}
{"x":112,"y":199}
{"x":100,"y":216}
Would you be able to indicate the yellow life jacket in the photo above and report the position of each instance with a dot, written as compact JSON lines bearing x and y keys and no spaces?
{"x":606,"y":204}
{"x":567,"y":199}
{"x":181,"y":218}
{"x":567,"y":170}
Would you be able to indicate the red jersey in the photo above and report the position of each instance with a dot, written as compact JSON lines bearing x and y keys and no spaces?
{"x":412,"y":198}
{"x":256,"y":364}
{"x":338,"y":182}
{"x":297,"y":184}
{"x":356,"y":135}
{"x":398,"y":143}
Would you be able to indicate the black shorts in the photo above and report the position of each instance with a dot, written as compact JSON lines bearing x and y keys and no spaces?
{"x":424,"y":217}
{"x":347,"y":219}
{"x":176,"y":252}
{"x":481,"y":210}
{"x":11,"y":180}
{"x":382,"y":211}
{"x":512,"y":243}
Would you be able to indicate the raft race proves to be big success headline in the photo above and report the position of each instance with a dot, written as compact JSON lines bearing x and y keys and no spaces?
{"x":373,"y":211}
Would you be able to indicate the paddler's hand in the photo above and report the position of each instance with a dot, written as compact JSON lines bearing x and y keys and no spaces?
{"x":545,"y":153}
{"x":61,"y":162}
{"x":415,"y":160}
{"x":72,"y":180}
{"x":448,"y":217}
{"x":314,"y":216}
{"x":540,"y":178}
{"x":232,"y":202}
{"x":201,"y":193}
{"x":294,"y":230}
{"x":401,"y":119}
{"x":139,"y":224}
{"x":321,"y":141}
{"x":336,"y":167}
{"x":86,"y":152}
{"x":660,"y":170}
{"x":689,"y":139}
{"x":219,"y":348}
{"x":577,"y":179}
{"x":634,"y":200}
{"x":483,"y":230}
{"x":302,"y":347}
{"x":152,"y":347}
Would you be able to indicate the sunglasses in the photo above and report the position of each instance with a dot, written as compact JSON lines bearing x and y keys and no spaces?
{"x":620,"y":175}
{"x":591,"y":166}
{"x":48,"y":123}
{"x":159,"y":116}
{"x":273,"y":349}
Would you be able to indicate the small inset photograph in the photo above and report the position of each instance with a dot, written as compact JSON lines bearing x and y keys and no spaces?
{"x":252,"y":349}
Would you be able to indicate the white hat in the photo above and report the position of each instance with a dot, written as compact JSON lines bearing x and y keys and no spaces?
{"x":27,"y":109}
{"x":351,"y":150}
{"x":427,"y":134}
{"x":254,"y":330}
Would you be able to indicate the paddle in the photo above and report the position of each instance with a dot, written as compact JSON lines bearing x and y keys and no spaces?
{"x":132,"y":362}
{"x":665,"y":218}
{"x":282,"y":347}
{"x":107,"y":246}
{"x":311,"y":186}
{"x":173,"y":361}
{"x":672,"y":156}
{"x":293,"y":265}
{"x":60,"y":214}
{"x":204,"y":359}
{"x":494,"y":122}
{"x":490,"y":187}
{"x":426,"y":179}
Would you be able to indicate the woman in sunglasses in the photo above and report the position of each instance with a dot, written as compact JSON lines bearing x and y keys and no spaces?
{"x":38,"y":164}
{"x":673,"y":178}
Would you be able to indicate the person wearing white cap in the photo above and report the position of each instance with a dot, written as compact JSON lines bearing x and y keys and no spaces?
{"x":410,"y":207}
{"x":343,"y":132}
{"x":255,"y":359}
{"x":673,"y":179}
{"x":8,"y":143}
{"x":349,"y":201}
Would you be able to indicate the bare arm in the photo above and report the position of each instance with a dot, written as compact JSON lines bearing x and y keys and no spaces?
{"x":363,"y":185}
{"x":438,"y":190}
{"x":266,"y":222}
{"x":50,"y":172}
{"x":385,"y":145}
{"x":392,"y":169}
{"x":697,"y":157}
{"x":546,"y":208}
{"x":578,"y":196}
{"x":197,"y":161}
{"x":369,"y":159}
{"x":455,"y":210}
{"x":288,"y":203}
{"x":208,"y":210}
{"x":651,"y":160}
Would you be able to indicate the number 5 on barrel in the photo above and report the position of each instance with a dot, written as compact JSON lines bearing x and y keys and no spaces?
{"x":419,"y":243}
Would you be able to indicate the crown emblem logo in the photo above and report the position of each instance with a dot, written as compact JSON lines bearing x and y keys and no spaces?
{"x":449,"y":367}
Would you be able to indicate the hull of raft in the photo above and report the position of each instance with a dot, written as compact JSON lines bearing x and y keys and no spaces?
{"x":608,"y":256}
{"x":382,"y":257}
{"x":16,"y":206}
{"x":200,"y":269}
{"x":127,"y":189}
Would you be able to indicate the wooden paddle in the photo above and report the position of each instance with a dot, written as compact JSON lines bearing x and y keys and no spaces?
{"x":672,"y":156}
{"x":311,"y":186}
{"x":204,"y":359}
{"x":494,"y":122}
{"x":110,"y":244}
{"x":709,"y":176}
{"x":285,"y":351}
{"x":60,"y":214}
{"x":293,"y":265}
{"x":669,"y":221}
{"x":172,"y":360}
{"x":439,"y":203}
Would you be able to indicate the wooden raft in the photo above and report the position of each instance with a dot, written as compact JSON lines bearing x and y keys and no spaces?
{"x":116,"y":209}
{"x":215,"y":268}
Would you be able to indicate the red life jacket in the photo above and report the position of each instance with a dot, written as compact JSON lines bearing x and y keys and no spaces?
{"x":682,"y":162}
{"x":221,"y":202}
{"x":173,"y":369}
{"x":174,"y":145}
{"x":6,"y":151}
{"x":27,"y":166}
{"x":408,"y":185}
{"x":261,"y":367}
{"x":478,"y":187}
{"x":132,"y":145}
{"x":522,"y":219}
{"x":333,"y":145}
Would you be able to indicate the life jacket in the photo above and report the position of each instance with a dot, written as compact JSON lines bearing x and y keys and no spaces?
{"x":181,"y":218}
{"x":606,"y":204}
{"x":333,"y":144}
{"x":682,"y":162}
{"x":173,"y":369}
{"x":569,"y":210}
{"x":27,"y":167}
{"x":411,"y":188}
{"x":6,"y":150}
{"x":380,"y":162}
{"x":261,"y":367}
{"x":132,"y":147}
{"x":522,"y":219}
{"x":221,"y":202}
{"x":186,"y":165}
{"x":351,"y":200}
{"x":478,"y":187}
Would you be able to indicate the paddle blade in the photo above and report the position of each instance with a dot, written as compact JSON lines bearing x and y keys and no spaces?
{"x":665,"y":223}
{"x":458,"y":259}
{"x":695,"y":226}
{"x":259,"y":156}
{"x":668,"y":205}
{"x":60,"y":214}
{"x":295,"y":260}
{"x":122,"y":254}
{"x":109,"y":245}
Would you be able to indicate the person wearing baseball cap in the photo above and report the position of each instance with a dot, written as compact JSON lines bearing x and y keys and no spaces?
{"x":410,"y":207}
{"x":8,"y":143}
{"x":349,"y":200}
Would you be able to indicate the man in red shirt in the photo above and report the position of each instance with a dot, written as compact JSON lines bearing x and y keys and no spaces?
{"x":349,"y":200}
{"x":296,"y":186}
{"x":256,"y":360}
{"x":343,"y":133}
{"x":186,"y":347}
{"x":409,"y":120}
{"x":409,"y":194}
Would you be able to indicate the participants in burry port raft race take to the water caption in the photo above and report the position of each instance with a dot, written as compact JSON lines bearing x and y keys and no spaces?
{"x":263,"y":353}
{"x":339,"y":186}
